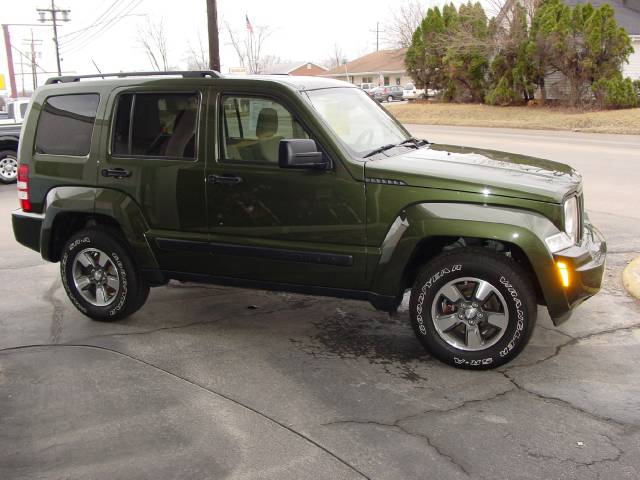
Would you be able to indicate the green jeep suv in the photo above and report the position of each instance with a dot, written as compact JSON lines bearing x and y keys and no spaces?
{"x":297,"y":184}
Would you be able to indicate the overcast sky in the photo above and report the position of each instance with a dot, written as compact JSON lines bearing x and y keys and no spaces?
{"x":106,"y":31}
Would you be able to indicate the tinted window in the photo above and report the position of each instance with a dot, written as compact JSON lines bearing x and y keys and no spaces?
{"x":253,"y":127}
{"x":66,"y":123}
{"x":161,"y":125}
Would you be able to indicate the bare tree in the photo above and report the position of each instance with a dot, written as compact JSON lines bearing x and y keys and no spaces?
{"x":403,"y":21}
{"x":336,"y":57}
{"x":249,"y":47}
{"x":153,"y":39}
{"x":197,"y":56}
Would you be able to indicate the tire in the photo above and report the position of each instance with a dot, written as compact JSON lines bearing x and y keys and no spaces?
{"x":491,"y":321}
{"x":390,"y":98}
{"x":99,"y":276}
{"x":8,"y":166}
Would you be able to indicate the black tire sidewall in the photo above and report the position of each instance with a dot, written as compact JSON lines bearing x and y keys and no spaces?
{"x":502,"y":275}
{"x":126,"y":300}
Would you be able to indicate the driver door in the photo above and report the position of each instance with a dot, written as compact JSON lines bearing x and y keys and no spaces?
{"x":279,"y":225}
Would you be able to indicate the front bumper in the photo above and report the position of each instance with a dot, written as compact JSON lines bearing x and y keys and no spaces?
{"x":586,"y":264}
{"x":27,"y":227}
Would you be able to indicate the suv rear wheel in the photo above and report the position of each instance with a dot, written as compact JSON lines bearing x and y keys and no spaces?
{"x":473,"y":308}
{"x":8,"y":166}
{"x":99,"y":276}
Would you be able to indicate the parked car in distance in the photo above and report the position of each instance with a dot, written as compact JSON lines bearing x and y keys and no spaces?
{"x":16,"y":111}
{"x":306,"y":185}
{"x":368,"y":87}
{"x":388,"y":93}
{"x":9,"y":138}
{"x":410,"y":92}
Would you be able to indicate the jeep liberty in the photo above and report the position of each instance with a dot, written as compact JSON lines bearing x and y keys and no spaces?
{"x":298,"y":184}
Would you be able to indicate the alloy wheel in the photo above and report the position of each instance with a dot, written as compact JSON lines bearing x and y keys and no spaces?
{"x":96,"y":277}
{"x":470,"y":314}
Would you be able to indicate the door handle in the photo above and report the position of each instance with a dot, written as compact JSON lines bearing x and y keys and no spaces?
{"x":226,"y":179}
{"x":116,"y":173}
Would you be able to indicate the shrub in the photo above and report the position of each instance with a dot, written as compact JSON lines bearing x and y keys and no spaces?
{"x":502,"y":94}
{"x":616,"y":92}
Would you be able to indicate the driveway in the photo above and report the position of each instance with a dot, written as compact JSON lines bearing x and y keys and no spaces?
{"x":212,"y":382}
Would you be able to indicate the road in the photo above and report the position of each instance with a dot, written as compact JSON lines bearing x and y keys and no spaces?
{"x":608,"y":163}
{"x":212,"y":382}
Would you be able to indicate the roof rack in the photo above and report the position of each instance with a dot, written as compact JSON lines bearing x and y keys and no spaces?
{"x":182,"y":73}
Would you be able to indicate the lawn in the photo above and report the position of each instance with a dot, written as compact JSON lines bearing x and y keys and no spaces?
{"x":610,"y":121}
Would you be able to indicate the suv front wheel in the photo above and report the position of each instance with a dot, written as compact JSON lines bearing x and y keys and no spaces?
{"x":99,"y":276}
{"x":473,"y":308}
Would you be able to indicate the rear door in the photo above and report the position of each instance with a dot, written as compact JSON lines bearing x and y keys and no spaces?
{"x":156,"y":155}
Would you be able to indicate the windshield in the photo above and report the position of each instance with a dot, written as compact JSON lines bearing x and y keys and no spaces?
{"x":356,"y":119}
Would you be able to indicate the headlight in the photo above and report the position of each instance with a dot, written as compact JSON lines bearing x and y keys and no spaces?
{"x":571,"y":219}
{"x":569,"y":237}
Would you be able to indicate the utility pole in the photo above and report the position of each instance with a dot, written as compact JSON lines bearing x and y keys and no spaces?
{"x":214,"y":38}
{"x":377,"y":32}
{"x":12,"y":75}
{"x":64,"y":17}
{"x":32,"y":43}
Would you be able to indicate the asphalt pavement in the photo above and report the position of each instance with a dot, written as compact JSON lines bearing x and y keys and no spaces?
{"x":213,"y":382}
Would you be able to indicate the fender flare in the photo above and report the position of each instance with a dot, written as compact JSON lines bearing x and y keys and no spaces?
{"x":423,"y":221}
{"x":116,"y":205}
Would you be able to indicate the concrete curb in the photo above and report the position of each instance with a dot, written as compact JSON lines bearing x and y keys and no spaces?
{"x":631,"y":277}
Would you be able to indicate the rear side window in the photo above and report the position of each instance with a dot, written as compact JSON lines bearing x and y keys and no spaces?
{"x":156,"y":125}
{"x":66,"y":124}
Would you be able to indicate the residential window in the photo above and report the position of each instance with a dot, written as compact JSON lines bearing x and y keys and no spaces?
{"x":252,"y":128}
{"x":66,"y":124}
{"x":386,"y":80}
{"x":159,"y":125}
{"x":398,"y":79}
{"x":367,"y":79}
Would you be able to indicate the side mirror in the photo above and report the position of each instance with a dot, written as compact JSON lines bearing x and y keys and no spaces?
{"x":300,"y":153}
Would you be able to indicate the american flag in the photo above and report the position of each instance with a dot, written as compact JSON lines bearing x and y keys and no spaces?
{"x":249,"y":27}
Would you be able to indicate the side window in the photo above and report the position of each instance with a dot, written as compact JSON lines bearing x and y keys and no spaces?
{"x":252,"y":128}
{"x":66,"y":124}
{"x":156,"y":125}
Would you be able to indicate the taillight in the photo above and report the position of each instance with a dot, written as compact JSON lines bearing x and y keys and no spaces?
{"x":23,"y":187}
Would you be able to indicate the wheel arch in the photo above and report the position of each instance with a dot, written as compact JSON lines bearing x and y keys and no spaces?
{"x":9,"y":143}
{"x":423,"y":231}
{"x":69,"y":209}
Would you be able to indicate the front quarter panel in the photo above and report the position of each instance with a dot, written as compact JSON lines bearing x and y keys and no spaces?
{"x":420,"y":222}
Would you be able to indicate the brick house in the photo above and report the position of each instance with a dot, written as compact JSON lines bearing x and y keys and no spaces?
{"x":384,"y":67}
{"x":295,"y":69}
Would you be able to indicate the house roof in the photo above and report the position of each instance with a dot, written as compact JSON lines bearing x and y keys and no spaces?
{"x":287,"y":67}
{"x":627,"y":12}
{"x":373,"y":63}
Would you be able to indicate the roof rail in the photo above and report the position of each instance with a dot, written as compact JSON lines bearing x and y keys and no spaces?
{"x":182,"y":73}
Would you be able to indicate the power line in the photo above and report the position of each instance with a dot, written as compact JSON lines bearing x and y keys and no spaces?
{"x":132,"y":5}
{"x":103,"y":18}
{"x":94,"y":23}
{"x":112,"y":16}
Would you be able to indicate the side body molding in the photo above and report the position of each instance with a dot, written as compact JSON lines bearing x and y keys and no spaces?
{"x":99,"y":201}
{"x":420,"y":222}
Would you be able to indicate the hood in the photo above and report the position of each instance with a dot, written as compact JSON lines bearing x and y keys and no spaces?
{"x":479,"y":171}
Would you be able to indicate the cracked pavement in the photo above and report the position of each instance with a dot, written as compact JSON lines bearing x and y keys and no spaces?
{"x":213,"y":382}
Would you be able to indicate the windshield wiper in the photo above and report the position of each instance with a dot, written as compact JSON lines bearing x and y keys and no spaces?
{"x":418,"y":142}
{"x":380,"y":149}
